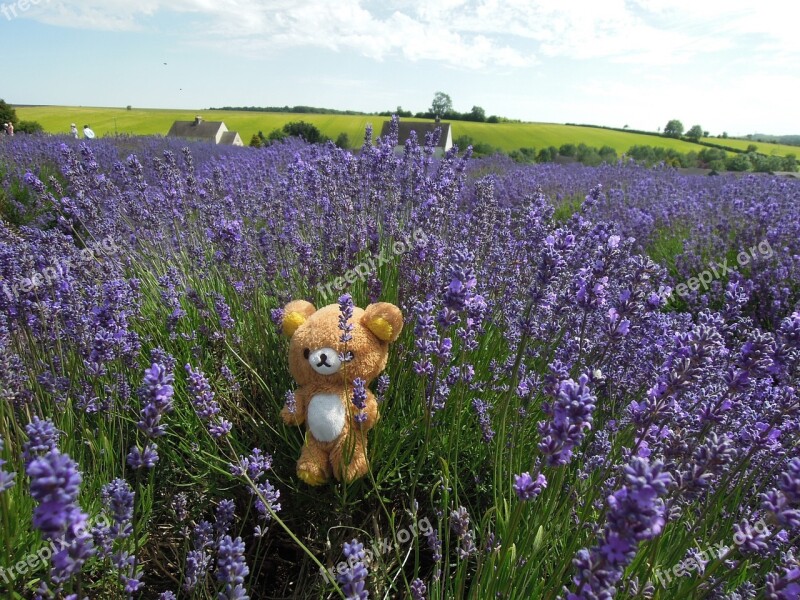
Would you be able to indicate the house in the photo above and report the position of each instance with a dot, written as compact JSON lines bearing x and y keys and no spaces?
{"x":205,"y":131}
{"x":421,"y":128}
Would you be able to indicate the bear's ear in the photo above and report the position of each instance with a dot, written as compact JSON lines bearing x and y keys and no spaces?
{"x":295,"y":314}
{"x":384,"y":320}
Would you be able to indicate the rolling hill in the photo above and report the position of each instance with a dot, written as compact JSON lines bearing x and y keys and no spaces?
{"x":506,"y":136}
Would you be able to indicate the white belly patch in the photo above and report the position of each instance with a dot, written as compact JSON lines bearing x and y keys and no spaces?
{"x":325,"y":416}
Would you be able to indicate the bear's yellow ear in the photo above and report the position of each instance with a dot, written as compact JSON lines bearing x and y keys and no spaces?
{"x":384,"y":320}
{"x":295,"y":314}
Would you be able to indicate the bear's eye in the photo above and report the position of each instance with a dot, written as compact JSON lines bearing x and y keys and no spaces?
{"x":306,"y":353}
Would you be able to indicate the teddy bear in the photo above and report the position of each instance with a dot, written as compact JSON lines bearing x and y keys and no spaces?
{"x":325,"y":369}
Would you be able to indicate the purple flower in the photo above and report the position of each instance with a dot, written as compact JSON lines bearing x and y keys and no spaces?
{"x":784,"y":502}
{"x":205,"y":405}
{"x":484,"y":419}
{"x":360,"y":399}
{"x":270,"y":495}
{"x":460,"y":525}
{"x":226,"y":511}
{"x":143,"y":459}
{"x":381,"y":386}
{"x":418,"y":589}
{"x":266,"y":497}
{"x":118,"y":497}
{"x":156,"y":394}
{"x":345,"y":315}
{"x":231,"y":568}
{"x":198,"y":561}
{"x":784,"y":587}
{"x":571,"y":414}
{"x":291,"y":403}
{"x":255,"y":465}
{"x":462,"y":281}
{"x":55,"y":483}
{"x":6,"y":478}
{"x":42,"y":439}
{"x":526,"y":488}
{"x":636,"y":513}
{"x":354,"y":577}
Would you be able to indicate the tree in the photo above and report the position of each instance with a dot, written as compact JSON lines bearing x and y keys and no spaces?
{"x":523,"y":155}
{"x":343,"y":140}
{"x":29,"y":127}
{"x":477,"y":114}
{"x":674,"y":128}
{"x":441,"y":105}
{"x":738,"y":162}
{"x":255,"y":141}
{"x":724,"y":135}
{"x":493,"y":119}
{"x":463,"y":142}
{"x":7,"y":113}
{"x":304,"y":130}
{"x":568,"y":150}
{"x":608,"y":154}
{"x":695,"y":133}
{"x":276,"y":135}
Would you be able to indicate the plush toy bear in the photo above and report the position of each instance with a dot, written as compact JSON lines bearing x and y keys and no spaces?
{"x":336,"y":431}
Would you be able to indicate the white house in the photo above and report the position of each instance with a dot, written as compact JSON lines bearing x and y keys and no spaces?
{"x":205,"y":131}
{"x":421,"y":128}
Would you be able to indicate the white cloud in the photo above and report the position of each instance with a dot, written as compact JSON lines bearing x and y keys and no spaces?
{"x":465,"y":33}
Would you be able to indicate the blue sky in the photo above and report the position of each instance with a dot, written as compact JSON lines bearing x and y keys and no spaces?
{"x":727,"y":65}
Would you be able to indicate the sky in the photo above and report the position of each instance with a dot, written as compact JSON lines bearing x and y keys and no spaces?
{"x":730,"y":65}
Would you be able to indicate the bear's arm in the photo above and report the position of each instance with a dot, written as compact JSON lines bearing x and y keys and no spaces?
{"x":298,"y":417}
{"x":371,"y":410}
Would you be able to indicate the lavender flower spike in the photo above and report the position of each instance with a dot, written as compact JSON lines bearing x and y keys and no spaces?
{"x":6,"y":478}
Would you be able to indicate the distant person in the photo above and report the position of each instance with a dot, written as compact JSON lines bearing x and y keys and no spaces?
{"x":10,"y":129}
{"x":88,"y":133}
{"x":73,"y":129}
{"x":5,"y":128}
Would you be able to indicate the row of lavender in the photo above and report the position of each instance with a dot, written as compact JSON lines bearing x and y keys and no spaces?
{"x":569,"y":428}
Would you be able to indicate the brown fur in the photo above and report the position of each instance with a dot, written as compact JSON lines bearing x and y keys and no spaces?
{"x":346,"y":456}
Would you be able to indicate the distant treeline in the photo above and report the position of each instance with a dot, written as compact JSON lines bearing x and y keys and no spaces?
{"x":789,"y":140}
{"x":477,"y":114}
{"x":715,"y":159}
{"x":292,"y":109}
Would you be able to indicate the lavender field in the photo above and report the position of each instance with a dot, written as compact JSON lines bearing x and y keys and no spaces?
{"x":594,"y":395}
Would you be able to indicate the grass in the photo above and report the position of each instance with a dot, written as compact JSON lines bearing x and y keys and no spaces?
{"x":506,"y":136}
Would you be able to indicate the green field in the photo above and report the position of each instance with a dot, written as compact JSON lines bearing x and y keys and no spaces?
{"x":763,"y":147}
{"x":506,"y":136}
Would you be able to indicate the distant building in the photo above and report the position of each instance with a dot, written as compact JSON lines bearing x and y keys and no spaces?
{"x":205,"y":131}
{"x":421,"y":128}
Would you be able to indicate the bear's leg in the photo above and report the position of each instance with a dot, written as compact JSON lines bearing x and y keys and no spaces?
{"x":349,"y":456}
{"x":313,"y":466}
